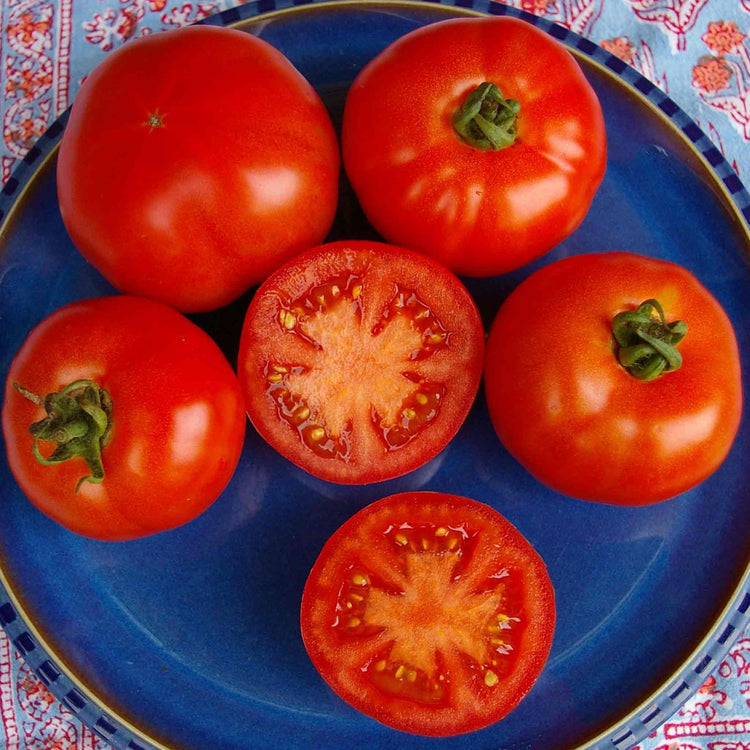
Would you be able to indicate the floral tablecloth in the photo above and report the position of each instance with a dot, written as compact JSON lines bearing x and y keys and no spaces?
{"x":697,"y":51}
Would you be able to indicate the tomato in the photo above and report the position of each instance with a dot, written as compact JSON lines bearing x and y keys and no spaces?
{"x":564,"y":405}
{"x":359,"y":361}
{"x":121,"y":418}
{"x":429,"y":612}
{"x":194,"y":163}
{"x":486,"y":208}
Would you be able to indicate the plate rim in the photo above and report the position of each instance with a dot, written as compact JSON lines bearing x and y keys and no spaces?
{"x":686,"y":679}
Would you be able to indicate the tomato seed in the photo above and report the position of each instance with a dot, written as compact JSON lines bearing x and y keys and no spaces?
{"x":428,"y":538}
{"x":302,"y":414}
{"x":317,"y":434}
{"x":490,"y":678}
{"x":287,"y":319}
{"x":409,"y":682}
{"x":417,"y":411}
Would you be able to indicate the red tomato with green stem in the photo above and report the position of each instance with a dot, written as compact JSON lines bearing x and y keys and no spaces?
{"x":614,"y":377}
{"x":121,"y":418}
{"x":477,"y":141}
{"x":429,"y":612}
{"x":194,"y":163}
{"x":359,"y":361}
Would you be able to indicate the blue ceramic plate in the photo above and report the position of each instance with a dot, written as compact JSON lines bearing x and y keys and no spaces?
{"x":190,"y":639}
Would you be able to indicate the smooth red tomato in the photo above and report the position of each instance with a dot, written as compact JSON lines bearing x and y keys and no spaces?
{"x":564,"y":405}
{"x":135,"y":411}
{"x":423,"y":185}
{"x":429,"y":612}
{"x":359,"y":361}
{"x":194,"y":163}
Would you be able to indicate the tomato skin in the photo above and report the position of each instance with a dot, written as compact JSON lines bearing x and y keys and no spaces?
{"x":381,"y":267}
{"x":235,"y":180}
{"x":481,"y":213}
{"x":178,"y":418}
{"x":362,"y":543}
{"x":565,"y":408}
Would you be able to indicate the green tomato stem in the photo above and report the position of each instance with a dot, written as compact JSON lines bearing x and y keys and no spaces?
{"x":79,"y":421}
{"x":648,"y":344}
{"x":487,"y":120}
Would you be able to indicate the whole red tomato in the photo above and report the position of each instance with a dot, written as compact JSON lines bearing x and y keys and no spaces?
{"x":476,"y":141}
{"x":600,"y":397}
{"x":121,"y":418}
{"x":429,"y":612}
{"x":194,"y":163}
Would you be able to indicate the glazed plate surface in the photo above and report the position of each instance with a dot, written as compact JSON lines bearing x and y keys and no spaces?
{"x":190,"y":639}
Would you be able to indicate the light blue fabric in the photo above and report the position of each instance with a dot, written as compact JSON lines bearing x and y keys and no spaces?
{"x":696,"y":50}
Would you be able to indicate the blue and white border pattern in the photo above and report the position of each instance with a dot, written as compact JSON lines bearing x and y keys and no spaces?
{"x":663,"y":704}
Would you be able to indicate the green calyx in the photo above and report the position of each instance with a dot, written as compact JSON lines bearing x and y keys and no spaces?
{"x":78,"y":420}
{"x":487,"y":120}
{"x":648,"y":344}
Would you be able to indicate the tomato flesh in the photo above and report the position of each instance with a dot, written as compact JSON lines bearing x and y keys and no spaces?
{"x":349,"y":357}
{"x":429,"y":612}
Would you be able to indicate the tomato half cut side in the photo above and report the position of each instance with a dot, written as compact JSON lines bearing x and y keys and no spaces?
{"x":429,"y":612}
{"x":360,"y":361}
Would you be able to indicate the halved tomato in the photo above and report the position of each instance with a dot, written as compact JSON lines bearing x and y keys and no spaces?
{"x":429,"y":612}
{"x":360,"y":361}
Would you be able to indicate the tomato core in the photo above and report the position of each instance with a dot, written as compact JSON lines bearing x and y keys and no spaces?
{"x":356,"y":366}
{"x":431,"y":614}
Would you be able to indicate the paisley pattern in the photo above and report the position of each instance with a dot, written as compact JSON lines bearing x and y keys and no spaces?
{"x":716,"y":718}
{"x":32,"y":719}
{"x":697,"y":51}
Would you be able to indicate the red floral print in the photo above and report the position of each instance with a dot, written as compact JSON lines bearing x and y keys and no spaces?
{"x":723,"y":37}
{"x":620,"y":47}
{"x":711,"y":75}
